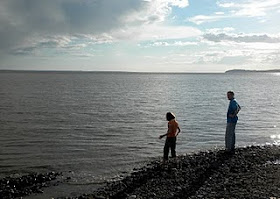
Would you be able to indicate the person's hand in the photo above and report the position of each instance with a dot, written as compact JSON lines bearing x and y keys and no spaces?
{"x":161,"y":136}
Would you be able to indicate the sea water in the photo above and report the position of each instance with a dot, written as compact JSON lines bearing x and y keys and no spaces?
{"x":95,"y":126}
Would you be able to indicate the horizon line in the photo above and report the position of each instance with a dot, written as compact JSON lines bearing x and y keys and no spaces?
{"x":153,"y":72}
{"x":104,"y":71}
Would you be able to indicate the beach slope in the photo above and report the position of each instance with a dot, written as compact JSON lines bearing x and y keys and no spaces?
{"x":252,"y":172}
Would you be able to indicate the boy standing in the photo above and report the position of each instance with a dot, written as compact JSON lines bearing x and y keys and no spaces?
{"x":171,"y":134}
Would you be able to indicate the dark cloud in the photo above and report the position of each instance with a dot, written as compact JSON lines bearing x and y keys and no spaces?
{"x":241,"y":38}
{"x":24,"y":19}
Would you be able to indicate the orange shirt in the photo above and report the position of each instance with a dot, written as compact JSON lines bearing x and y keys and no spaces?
{"x":172,"y":128}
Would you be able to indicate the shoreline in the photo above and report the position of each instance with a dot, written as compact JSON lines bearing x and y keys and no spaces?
{"x":252,"y":172}
{"x":17,"y":187}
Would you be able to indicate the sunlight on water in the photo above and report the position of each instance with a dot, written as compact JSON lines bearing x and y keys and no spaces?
{"x":275,"y":136}
{"x":276,"y":139}
{"x":276,"y":74}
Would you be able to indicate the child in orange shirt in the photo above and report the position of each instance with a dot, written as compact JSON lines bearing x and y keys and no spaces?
{"x":171,"y":134}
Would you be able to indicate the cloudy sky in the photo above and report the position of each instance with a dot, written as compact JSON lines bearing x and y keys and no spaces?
{"x":140,"y":35}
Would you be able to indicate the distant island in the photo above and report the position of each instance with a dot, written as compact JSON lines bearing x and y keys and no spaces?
{"x":252,"y":71}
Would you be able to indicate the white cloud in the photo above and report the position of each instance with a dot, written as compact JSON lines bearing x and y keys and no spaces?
{"x":226,"y":5}
{"x":199,"y":19}
{"x":155,"y":32}
{"x":103,"y":38}
{"x":220,"y":56}
{"x":171,"y":44}
{"x":263,"y":46}
{"x":154,"y":11}
{"x":220,"y":30}
{"x":240,"y":56}
{"x":228,"y":50}
{"x":251,"y":8}
{"x":246,"y":50}
{"x":239,"y":38}
{"x":248,"y":8}
{"x":180,"y":3}
{"x":79,"y":41}
{"x":262,"y":20}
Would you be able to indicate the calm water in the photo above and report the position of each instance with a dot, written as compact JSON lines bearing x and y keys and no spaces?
{"x":93,"y":126}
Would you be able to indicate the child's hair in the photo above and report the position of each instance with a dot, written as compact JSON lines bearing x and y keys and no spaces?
{"x":170,"y":116}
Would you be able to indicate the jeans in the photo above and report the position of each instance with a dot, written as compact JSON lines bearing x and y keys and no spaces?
{"x":230,"y":136}
{"x":170,"y":142}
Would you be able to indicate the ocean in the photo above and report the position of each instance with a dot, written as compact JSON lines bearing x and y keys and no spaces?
{"x":96,"y":126}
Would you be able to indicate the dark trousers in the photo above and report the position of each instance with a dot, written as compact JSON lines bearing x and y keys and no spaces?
{"x":230,"y":136}
{"x":169,"y":143}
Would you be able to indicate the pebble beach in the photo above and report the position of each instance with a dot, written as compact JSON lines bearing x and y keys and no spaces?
{"x":251,"y":172}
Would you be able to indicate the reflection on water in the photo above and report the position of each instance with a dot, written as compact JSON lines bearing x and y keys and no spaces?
{"x":275,"y":139}
{"x":277,"y":74}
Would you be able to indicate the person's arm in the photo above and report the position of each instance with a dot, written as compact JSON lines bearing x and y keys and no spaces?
{"x":161,"y":136}
{"x":179,"y":130}
{"x":238,"y":108}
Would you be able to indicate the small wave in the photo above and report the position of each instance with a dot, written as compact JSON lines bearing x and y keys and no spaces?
{"x":47,"y":167}
{"x":5,"y":166}
{"x":135,"y":147}
{"x":275,"y":136}
{"x":88,"y":183}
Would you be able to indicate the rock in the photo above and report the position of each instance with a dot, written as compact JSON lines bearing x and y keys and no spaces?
{"x":132,"y":197}
{"x":179,"y":188}
{"x":24,"y":185}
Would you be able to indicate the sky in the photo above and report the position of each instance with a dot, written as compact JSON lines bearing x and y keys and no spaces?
{"x":140,"y":35}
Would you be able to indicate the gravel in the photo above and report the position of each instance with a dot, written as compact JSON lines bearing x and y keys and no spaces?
{"x":251,"y":172}
{"x":25,"y":185}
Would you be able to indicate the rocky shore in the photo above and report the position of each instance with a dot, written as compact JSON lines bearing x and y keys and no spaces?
{"x":251,"y":172}
{"x":25,"y":185}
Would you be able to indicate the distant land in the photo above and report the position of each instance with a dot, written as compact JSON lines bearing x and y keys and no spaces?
{"x":252,"y":71}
